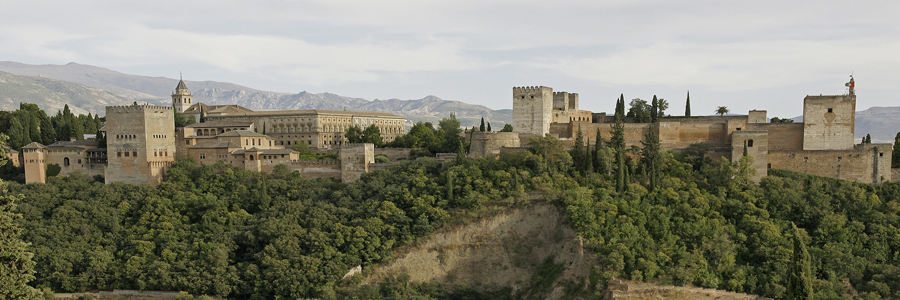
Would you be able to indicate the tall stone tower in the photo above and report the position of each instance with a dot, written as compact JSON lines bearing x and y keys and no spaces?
{"x":140,"y":142}
{"x":182,"y":98}
{"x":532,"y":109}
{"x":829,"y":121}
{"x":35,"y":167}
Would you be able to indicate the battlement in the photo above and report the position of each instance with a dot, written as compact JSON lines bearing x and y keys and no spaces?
{"x":124,"y":109}
{"x":529,"y":89}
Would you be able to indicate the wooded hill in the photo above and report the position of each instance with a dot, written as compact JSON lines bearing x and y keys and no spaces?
{"x":221,"y":230}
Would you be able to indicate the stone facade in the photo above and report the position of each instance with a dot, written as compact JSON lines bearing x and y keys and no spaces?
{"x":142,"y":142}
{"x":487,"y":143}
{"x":821,"y":145}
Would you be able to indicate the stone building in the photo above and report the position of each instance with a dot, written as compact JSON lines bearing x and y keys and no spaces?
{"x":142,"y":142}
{"x":821,"y":145}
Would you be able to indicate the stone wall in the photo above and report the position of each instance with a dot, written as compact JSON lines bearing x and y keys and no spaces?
{"x":487,"y":143}
{"x":782,"y":136}
{"x":319,"y":168}
{"x":394,"y":154}
{"x":865,"y":163}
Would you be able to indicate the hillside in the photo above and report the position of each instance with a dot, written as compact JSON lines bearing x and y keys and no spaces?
{"x":157,"y":90}
{"x":52,"y":95}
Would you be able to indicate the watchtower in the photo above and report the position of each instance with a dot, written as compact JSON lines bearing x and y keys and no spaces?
{"x":532,"y":109}
{"x":140,"y":142}
{"x":182,"y":98}
{"x":829,"y":122}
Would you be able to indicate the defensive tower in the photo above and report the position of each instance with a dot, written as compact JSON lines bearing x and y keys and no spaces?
{"x":140,"y":142}
{"x":532,"y":109}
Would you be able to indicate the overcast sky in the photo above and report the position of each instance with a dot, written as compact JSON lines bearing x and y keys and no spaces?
{"x":740,"y":54}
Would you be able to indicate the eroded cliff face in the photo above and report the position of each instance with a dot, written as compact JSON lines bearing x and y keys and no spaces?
{"x":503,"y":250}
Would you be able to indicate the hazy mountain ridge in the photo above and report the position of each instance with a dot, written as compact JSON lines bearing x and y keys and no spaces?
{"x":157,"y":90}
{"x":52,"y":95}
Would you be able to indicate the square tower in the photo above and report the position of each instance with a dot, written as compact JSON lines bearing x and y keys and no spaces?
{"x":828,"y":122}
{"x":140,"y":143}
{"x":532,"y":109}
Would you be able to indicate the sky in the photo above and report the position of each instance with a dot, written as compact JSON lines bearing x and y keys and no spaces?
{"x":740,"y":54}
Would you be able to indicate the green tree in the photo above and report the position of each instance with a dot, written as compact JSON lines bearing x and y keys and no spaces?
{"x":48,"y":133}
{"x":354,"y":134}
{"x":867,"y":139}
{"x":577,"y":152}
{"x":687,"y":105}
{"x":800,"y":279}
{"x":780,"y":120}
{"x":618,"y":142}
{"x":489,"y":126}
{"x":481,"y":128}
{"x":372,"y":134}
{"x":661,"y":106}
{"x":16,"y":266}
{"x":16,"y":134}
{"x":652,"y":155}
{"x":507,"y":128}
{"x":654,"y":110}
{"x":588,"y":158}
{"x":452,"y":138}
{"x":639,"y":110}
{"x":722,"y":110}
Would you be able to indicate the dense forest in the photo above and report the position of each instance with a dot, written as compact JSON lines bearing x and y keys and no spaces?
{"x":647,"y":213}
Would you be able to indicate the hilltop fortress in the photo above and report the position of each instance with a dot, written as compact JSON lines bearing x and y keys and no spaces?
{"x":822,"y":145}
{"x":142,"y":141}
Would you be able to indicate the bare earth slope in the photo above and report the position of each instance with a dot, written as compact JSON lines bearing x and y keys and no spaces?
{"x":501,"y":250}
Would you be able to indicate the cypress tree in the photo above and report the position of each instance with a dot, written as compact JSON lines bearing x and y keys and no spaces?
{"x":868,"y":139}
{"x":745,"y":148}
{"x":654,"y":110}
{"x":489,"y":127}
{"x":450,"y":187}
{"x":482,"y":125}
{"x":895,"y":159}
{"x":652,"y":156}
{"x":48,"y":133}
{"x":687,"y":106}
{"x":618,"y":140}
{"x":588,"y":158}
{"x":577,"y":155}
{"x":15,"y":133}
{"x":800,"y":277}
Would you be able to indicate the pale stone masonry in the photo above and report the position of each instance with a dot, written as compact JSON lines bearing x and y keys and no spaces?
{"x":142,"y":142}
{"x":821,"y":145}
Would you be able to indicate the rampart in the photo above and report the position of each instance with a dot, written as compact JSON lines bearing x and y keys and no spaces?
{"x":487,"y":143}
{"x":865,"y":163}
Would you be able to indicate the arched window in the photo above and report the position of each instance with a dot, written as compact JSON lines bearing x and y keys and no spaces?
{"x":66,"y":161}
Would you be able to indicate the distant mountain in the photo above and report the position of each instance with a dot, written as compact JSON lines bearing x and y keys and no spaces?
{"x":882,"y":123}
{"x":52,"y":95}
{"x":157,"y":90}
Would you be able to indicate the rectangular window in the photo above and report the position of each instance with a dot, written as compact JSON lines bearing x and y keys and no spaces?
{"x":188,"y":142}
{"x":126,"y":153}
{"x":830,"y":110}
{"x":119,"y":154}
{"x":134,"y":153}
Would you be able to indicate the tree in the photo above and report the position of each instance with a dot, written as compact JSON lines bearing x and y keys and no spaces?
{"x":662,"y":105}
{"x":780,"y":120}
{"x":654,"y":112}
{"x":507,"y":128}
{"x":16,"y":134}
{"x":639,"y":110}
{"x":687,"y":105}
{"x":48,"y":133}
{"x":867,"y":139}
{"x":576,"y":153}
{"x":372,"y":134}
{"x":722,"y":110}
{"x":895,"y":159}
{"x":652,"y":156}
{"x":16,"y":266}
{"x":618,"y":141}
{"x":800,"y":278}
{"x":452,"y":138}
{"x":588,"y":158}
{"x":489,"y":127}
{"x":482,"y":125}
{"x":354,"y":134}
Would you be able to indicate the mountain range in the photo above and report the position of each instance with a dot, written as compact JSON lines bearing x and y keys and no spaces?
{"x":89,"y":89}
{"x":157,"y":90}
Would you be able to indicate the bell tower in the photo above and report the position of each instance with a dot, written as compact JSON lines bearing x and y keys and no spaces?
{"x":182,"y":98}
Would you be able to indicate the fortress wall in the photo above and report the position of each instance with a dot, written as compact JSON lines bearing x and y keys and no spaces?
{"x":532,"y":109}
{"x":757,"y":145}
{"x":394,"y":154}
{"x":562,"y":130}
{"x":853,"y":165}
{"x":828,"y":122}
{"x":634,"y":132}
{"x":355,"y":160}
{"x":677,"y":135}
{"x":313,"y":171}
{"x":487,"y":143}
{"x":782,"y":136}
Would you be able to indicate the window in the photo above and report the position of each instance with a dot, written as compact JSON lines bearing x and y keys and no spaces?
{"x":119,"y":154}
{"x":750,"y":143}
{"x":738,"y":129}
{"x":830,"y":109}
{"x":769,"y":166}
{"x":127,"y":153}
{"x":79,"y":161}
{"x":66,"y":162}
{"x":134,"y":153}
{"x":188,"y":142}
{"x":881,"y":154}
